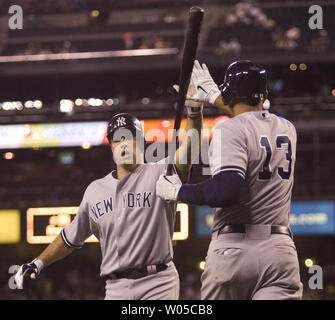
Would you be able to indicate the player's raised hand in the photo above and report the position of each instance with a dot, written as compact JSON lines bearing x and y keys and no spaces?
{"x":167,"y":187}
{"x":207,"y":89}
{"x":193,"y":103}
{"x":192,"y":98}
{"x":31,"y":270}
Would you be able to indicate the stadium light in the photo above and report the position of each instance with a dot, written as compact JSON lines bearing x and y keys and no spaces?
{"x":86,"y":145}
{"x":95,"y":13}
{"x":18,"y":105}
{"x":9,"y":155}
{"x":145,"y":100}
{"x":302,"y":66}
{"x":166,"y":123}
{"x":110,"y":102}
{"x":293,"y":67}
{"x":309,"y":262}
{"x":37,"y":104}
{"x":79,"y":102}
{"x":66,"y":105}
{"x":95,"y":102}
{"x":202,"y":265}
{"x":29,"y":104}
{"x":98,"y":103}
{"x":7,"y":106}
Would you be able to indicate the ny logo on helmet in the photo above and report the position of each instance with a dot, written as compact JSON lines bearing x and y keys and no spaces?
{"x":121,"y":121}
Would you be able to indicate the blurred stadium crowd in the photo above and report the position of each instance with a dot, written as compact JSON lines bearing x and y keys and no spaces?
{"x":248,"y":27}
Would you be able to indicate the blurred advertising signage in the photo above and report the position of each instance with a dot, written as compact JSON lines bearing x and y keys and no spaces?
{"x":204,"y":217}
{"x":315,"y":217}
{"x":44,"y":224}
{"x":10,"y":226}
{"x":306,"y":218}
{"x":161,"y":130}
{"x":74,"y":134}
{"x":51,"y":135}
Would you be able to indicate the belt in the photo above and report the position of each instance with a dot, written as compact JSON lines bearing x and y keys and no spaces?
{"x":241,"y":228}
{"x":136,"y":273}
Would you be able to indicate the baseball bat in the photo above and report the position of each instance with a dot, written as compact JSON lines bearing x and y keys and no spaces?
{"x":190,"y":48}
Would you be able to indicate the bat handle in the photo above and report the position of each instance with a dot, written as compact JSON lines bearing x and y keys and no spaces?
{"x":169,"y":169}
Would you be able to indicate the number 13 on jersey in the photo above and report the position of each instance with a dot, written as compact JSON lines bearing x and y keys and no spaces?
{"x":281,"y":141}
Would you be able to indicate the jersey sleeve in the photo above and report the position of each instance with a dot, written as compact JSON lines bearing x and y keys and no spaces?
{"x":75,"y":233}
{"x":294,"y":137}
{"x":228,"y":149}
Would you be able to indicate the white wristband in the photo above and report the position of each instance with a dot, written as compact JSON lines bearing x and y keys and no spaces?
{"x":39,"y":264}
{"x":194,"y":111}
{"x":213,"y":94}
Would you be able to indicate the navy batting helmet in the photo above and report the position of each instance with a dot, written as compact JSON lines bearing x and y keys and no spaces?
{"x":123,"y":120}
{"x":244,"y":81}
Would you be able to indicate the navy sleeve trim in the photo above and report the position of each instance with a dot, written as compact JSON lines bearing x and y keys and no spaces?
{"x":230,"y":168}
{"x":67,"y":242}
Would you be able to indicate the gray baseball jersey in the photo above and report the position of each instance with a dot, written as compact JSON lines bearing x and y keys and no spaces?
{"x":261,"y":147}
{"x":256,"y":264}
{"x":133,"y":225}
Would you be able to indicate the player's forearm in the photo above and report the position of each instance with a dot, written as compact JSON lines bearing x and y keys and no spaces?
{"x":57,"y":250}
{"x":189,"y":150}
{"x":222,"y":190}
{"x":191,"y":145}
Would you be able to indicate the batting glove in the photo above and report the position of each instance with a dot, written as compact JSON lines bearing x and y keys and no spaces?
{"x":167,"y":187}
{"x":193,"y":104}
{"x":31,"y":270}
{"x":207,"y":89}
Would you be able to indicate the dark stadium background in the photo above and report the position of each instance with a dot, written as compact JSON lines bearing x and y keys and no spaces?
{"x":275,"y":34}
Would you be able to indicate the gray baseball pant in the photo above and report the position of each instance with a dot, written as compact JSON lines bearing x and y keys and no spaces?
{"x":163,"y":285}
{"x":254,"y":265}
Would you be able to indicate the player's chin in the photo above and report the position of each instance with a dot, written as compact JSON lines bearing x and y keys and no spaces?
{"x":129,"y":163}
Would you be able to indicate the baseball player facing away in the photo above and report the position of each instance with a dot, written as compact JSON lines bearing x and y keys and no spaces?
{"x":133,"y":225}
{"x":252,"y":156}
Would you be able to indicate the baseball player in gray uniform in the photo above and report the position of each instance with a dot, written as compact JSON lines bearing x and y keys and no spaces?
{"x":252,"y":156}
{"x":133,"y":225}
